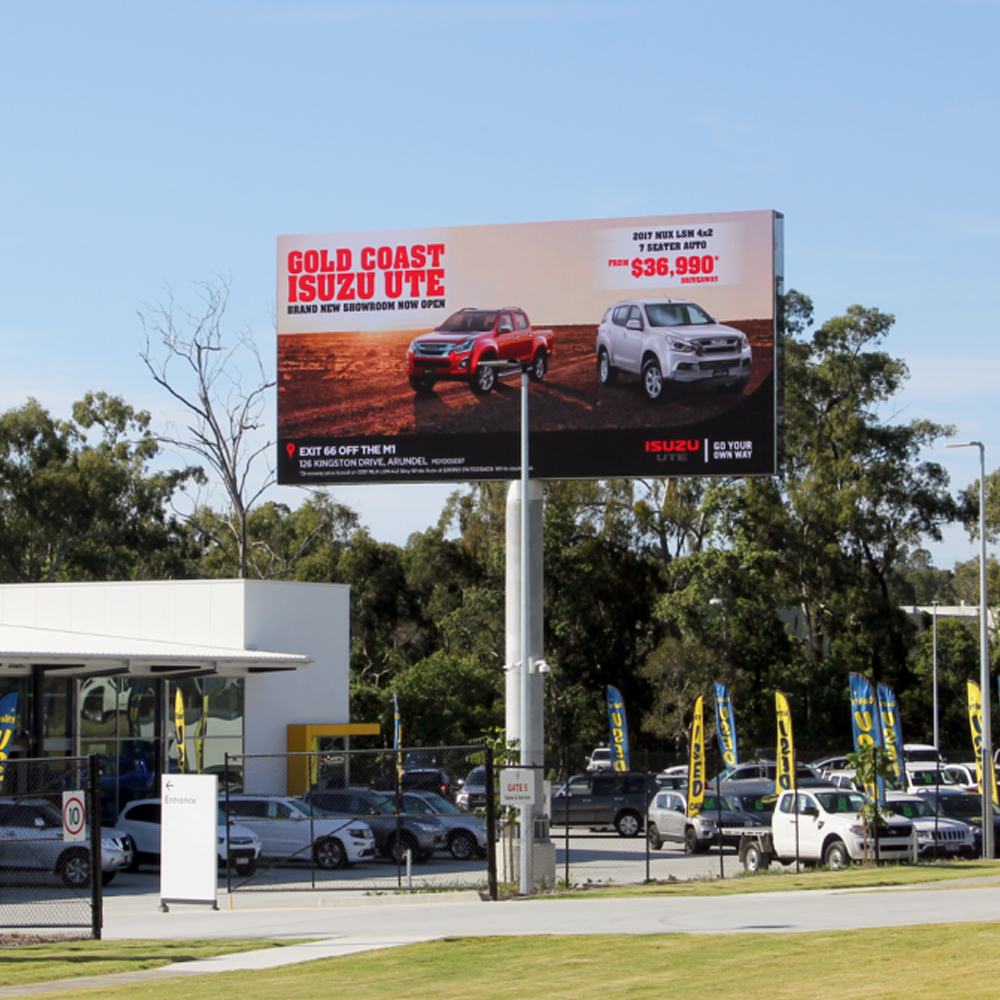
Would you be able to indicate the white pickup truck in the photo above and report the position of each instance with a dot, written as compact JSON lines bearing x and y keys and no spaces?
{"x":822,"y":826}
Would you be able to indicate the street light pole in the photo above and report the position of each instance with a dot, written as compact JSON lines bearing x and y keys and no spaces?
{"x":984,"y":656}
{"x":527,"y":810}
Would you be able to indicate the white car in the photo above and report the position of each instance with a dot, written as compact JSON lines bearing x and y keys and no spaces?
{"x":599,"y":760}
{"x":289,"y":831}
{"x":142,"y":819}
{"x":669,"y":341}
{"x":935,"y":834}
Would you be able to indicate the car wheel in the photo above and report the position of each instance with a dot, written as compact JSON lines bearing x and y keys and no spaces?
{"x":653,"y":836}
{"x":463,"y":845}
{"x":399,"y":847}
{"x":691,"y":845}
{"x":606,"y":371}
{"x":836,"y":856}
{"x":107,"y":877}
{"x":329,"y":853}
{"x":483,"y":379}
{"x":421,"y":384}
{"x":627,"y":824}
{"x":755,"y":859}
{"x":74,"y":869}
{"x":652,"y":379}
{"x":539,"y":366}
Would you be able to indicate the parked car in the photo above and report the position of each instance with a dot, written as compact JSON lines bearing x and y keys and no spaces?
{"x":919,"y":777}
{"x":668,"y":821}
{"x":760,"y":804}
{"x":394,"y":833}
{"x":668,"y":342}
{"x":836,"y":762}
{"x":471,"y":792}
{"x":613,"y":798}
{"x":466,"y":835}
{"x":456,"y":350}
{"x":963,"y":775}
{"x":765,"y":770}
{"x":955,"y":803}
{"x":142,"y":820}
{"x":936,"y":835}
{"x":290,"y":831}
{"x":31,"y":839}
{"x":599,"y":760}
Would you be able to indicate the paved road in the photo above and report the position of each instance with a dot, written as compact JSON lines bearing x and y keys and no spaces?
{"x":343,"y":925}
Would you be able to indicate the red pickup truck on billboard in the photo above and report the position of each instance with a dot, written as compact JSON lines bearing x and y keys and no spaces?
{"x":456,"y":349}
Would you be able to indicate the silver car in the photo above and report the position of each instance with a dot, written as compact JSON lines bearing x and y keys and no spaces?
{"x":466,"y":834}
{"x":31,"y":839}
{"x":669,"y":341}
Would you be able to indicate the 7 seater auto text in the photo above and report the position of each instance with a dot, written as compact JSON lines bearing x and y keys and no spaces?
{"x":670,"y":341}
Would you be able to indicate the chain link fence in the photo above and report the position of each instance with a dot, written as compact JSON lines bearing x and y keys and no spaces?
{"x":369,"y":820}
{"x":50,"y":836}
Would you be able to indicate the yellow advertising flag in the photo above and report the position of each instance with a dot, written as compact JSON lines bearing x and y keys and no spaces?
{"x":696,"y":765}
{"x":785,"y":778}
{"x":976,"y":724}
{"x":179,"y":730}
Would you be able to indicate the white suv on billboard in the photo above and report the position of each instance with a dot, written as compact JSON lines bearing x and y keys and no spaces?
{"x":668,"y":341}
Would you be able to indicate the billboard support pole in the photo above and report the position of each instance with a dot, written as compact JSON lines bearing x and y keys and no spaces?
{"x":527,"y":810}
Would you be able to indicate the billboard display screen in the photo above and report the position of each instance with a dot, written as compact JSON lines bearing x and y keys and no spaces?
{"x":650,"y":343}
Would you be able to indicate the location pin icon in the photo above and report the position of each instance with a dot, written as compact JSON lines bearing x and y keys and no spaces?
{"x":290,"y":448}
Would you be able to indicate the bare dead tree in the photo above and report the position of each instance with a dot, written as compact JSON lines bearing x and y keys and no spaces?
{"x":190,"y":356}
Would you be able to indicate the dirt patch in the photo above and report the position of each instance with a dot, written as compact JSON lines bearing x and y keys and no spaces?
{"x":355,"y":385}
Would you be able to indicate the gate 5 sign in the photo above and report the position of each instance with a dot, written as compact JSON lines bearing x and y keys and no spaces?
{"x":650,"y":343}
{"x":518,"y":786}
{"x":74,"y":816}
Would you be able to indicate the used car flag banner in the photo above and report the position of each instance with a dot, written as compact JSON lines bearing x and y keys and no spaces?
{"x":892,"y":730}
{"x":785,"y":772}
{"x":618,"y":730}
{"x":976,"y":723}
{"x":725,"y":726}
{"x":8,"y":719}
{"x":866,"y":724}
{"x":649,"y":341}
{"x":696,"y":762}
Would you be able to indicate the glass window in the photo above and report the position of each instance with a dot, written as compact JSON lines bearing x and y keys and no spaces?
{"x":520,"y":321}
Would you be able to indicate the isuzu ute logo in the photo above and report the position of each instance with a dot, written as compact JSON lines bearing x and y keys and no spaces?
{"x":673,"y":445}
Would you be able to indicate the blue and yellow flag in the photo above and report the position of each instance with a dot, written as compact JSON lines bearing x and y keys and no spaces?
{"x":696,"y":763}
{"x":892,"y":730}
{"x":725,"y":726}
{"x":618,"y":729}
{"x":785,"y":774}
{"x":8,"y":719}
{"x":866,"y":724}
{"x":179,"y":730}
{"x":976,"y":722}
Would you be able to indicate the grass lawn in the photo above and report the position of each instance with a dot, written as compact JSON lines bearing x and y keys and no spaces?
{"x":915,"y":963}
{"x":40,"y":963}
{"x":854,"y":877}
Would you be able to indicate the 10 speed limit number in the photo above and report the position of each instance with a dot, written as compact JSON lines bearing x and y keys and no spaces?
{"x":74,"y":816}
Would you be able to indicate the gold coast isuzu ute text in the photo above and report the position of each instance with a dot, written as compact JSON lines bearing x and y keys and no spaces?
{"x":456,"y":350}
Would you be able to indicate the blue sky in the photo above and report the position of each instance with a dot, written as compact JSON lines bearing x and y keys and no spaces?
{"x":147,"y":146}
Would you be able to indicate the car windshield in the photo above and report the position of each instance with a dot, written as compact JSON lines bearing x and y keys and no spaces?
{"x":300,"y":807}
{"x":676,"y":314}
{"x":477,"y":776}
{"x":714,"y":803}
{"x":931,"y":778}
{"x":840,"y":802}
{"x":963,"y":806}
{"x":441,"y":806}
{"x":469,"y":321}
{"x":912,"y":809}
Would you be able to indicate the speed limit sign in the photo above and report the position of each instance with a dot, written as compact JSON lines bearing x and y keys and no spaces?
{"x":74,"y":815}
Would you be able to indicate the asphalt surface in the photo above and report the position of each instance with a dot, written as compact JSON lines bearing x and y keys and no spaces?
{"x":343,"y":925}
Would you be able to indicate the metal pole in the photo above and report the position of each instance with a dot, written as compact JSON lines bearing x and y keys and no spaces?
{"x":984,"y":665}
{"x":937,"y":744}
{"x":984,"y":657}
{"x":96,"y":864}
{"x":491,"y":827}
{"x":527,"y":811}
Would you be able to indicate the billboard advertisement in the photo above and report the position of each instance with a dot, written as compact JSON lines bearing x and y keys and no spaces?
{"x":649,"y":344}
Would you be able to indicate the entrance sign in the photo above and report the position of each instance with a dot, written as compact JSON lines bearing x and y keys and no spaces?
{"x":650,"y":342}
{"x":74,"y":816}
{"x":518,"y":786}
{"x":190,"y":828}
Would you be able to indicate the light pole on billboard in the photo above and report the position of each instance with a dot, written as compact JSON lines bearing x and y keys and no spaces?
{"x":984,"y":655}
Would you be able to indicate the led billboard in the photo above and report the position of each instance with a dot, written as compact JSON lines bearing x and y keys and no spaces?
{"x":650,"y":343}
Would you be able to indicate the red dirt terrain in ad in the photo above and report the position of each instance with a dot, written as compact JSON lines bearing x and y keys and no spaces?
{"x":355,"y":385}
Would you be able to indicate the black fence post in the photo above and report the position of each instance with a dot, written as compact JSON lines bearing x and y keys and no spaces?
{"x":96,"y":867}
{"x":645,"y":819}
{"x":229,"y":853}
{"x":491,"y":828}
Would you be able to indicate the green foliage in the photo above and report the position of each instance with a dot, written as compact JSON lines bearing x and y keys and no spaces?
{"x":871,"y":763}
{"x":78,"y":500}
